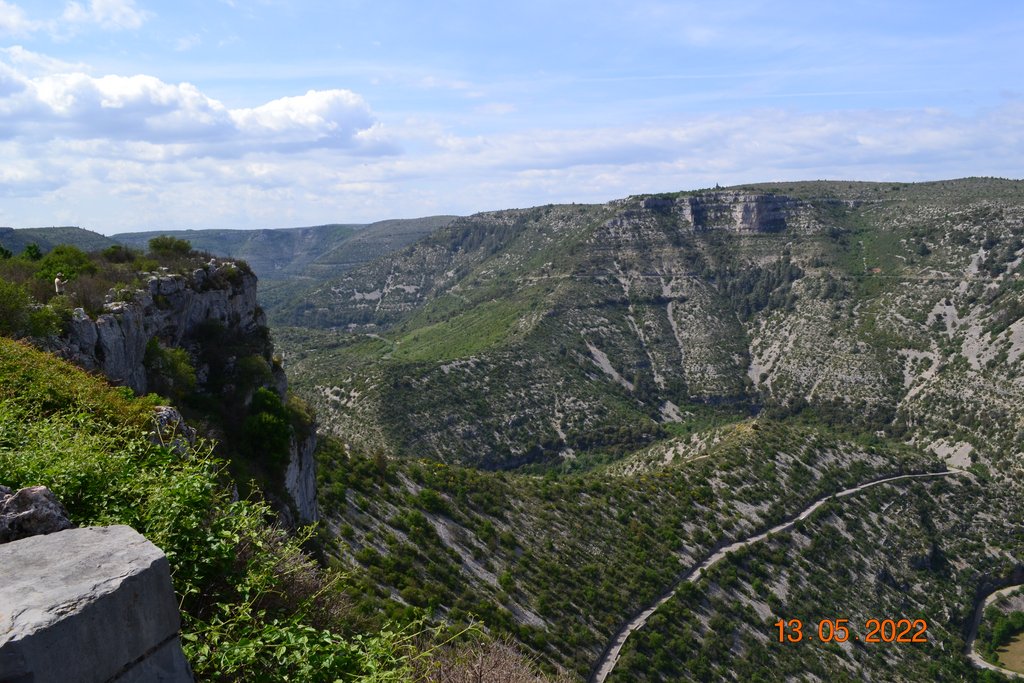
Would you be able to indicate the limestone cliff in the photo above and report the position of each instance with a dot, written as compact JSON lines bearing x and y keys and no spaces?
{"x":172,"y":309}
{"x":211,"y":313}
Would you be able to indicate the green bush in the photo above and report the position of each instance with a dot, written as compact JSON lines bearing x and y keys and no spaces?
{"x":32,"y":252}
{"x":252,"y":371}
{"x":118,"y":253}
{"x":71,"y":261}
{"x":44,"y":322}
{"x":165,"y":245}
{"x":13,"y":308}
{"x":169,"y":370}
{"x":268,"y":430}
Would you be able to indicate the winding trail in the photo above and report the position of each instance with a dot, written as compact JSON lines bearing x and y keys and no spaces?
{"x":979,"y":613}
{"x":610,"y":657}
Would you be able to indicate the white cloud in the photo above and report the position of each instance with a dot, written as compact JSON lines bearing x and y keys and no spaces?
{"x":14,"y":22}
{"x":324,"y":114}
{"x":109,"y":14}
{"x":34,"y":63}
{"x":131,"y":152}
{"x":72,"y":105}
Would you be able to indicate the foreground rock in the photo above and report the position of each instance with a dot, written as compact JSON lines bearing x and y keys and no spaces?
{"x":172,"y":430}
{"x":93,"y":604}
{"x":30,"y":512}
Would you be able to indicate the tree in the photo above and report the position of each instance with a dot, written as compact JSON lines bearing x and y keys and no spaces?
{"x":32,"y":252}
{"x":166,"y":245}
{"x":118,"y":253}
{"x":13,"y":308}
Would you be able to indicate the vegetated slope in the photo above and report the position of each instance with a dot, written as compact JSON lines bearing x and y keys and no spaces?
{"x":254,"y":607}
{"x":559,"y":562}
{"x":16,"y":239}
{"x":563,"y":337}
{"x":533,"y":336}
{"x":924,"y":552}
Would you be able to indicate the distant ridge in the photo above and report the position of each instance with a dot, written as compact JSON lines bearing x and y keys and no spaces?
{"x":313,"y":252}
{"x":16,"y":239}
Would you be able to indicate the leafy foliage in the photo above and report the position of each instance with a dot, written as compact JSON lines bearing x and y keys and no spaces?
{"x":254,"y":607}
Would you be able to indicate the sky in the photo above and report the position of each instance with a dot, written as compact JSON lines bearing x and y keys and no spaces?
{"x":120,"y":115}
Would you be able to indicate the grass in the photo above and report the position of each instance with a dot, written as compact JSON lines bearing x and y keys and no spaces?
{"x":1011,"y":655}
{"x":478,"y":329}
{"x":254,"y":606}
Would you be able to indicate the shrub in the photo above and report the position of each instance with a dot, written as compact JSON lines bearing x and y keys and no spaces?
{"x":169,"y":371}
{"x":44,"y":322}
{"x":118,"y":253}
{"x":268,"y":430}
{"x":32,"y":252}
{"x":66,"y":259}
{"x":89,"y":292}
{"x":252,"y":371}
{"x":165,"y":245}
{"x":13,"y":308}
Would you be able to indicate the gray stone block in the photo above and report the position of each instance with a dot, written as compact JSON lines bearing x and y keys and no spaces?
{"x":91,"y":604}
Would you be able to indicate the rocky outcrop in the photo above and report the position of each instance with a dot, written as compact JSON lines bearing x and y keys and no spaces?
{"x":737,"y":212}
{"x":93,"y":604}
{"x":171,"y":309}
{"x":300,"y":477}
{"x":177,"y":311}
{"x":172,"y":430}
{"x":31,"y":511}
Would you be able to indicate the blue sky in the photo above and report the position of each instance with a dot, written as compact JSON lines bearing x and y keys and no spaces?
{"x":136,"y":114}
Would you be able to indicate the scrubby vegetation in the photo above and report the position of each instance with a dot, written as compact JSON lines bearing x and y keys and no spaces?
{"x":555,"y":561}
{"x":554,"y":342}
{"x":34,"y":305}
{"x":255,"y":606}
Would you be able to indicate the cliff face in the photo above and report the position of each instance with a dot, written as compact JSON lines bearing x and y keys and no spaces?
{"x":731,"y":211}
{"x":179,"y":311}
{"x":300,"y":477}
{"x":171,"y":309}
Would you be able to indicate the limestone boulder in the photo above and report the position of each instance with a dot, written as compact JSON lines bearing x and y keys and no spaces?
{"x":91,"y":604}
{"x":172,"y":431}
{"x":30,"y":511}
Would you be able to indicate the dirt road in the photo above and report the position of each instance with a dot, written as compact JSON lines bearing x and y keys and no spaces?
{"x":611,"y":654}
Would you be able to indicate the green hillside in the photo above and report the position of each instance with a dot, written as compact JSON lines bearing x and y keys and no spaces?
{"x":15,"y":240}
{"x":544,"y":416}
{"x":876,"y":304}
